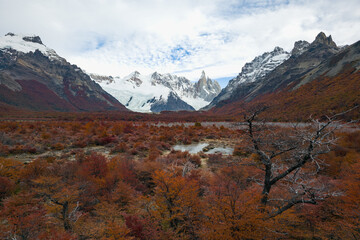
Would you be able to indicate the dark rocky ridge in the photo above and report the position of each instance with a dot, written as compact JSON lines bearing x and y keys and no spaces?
{"x":295,"y":67}
{"x":331,"y":87}
{"x":299,"y":47}
{"x":34,"y":39}
{"x":27,"y":77}
{"x":173,"y":103}
{"x":305,"y":58}
{"x":258,"y":68}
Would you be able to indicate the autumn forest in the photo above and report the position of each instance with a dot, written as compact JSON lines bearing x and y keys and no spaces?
{"x":180,"y":120}
{"x":101,"y":179}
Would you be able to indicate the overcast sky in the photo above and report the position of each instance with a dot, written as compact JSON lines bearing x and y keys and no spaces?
{"x":116,"y":37}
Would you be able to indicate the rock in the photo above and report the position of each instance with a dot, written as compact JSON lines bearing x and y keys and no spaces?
{"x":172,"y":103}
{"x":299,"y":48}
{"x":206,"y":88}
{"x":205,"y":149}
{"x":258,"y":68}
{"x":34,"y":39}
{"x":322,"y":39}
{"x":305,"y":57}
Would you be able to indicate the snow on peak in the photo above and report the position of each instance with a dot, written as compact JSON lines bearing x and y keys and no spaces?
{"x":206,"y":88}
{"x":258,"y":68}
{"x":261,"y":65}
{"x":135,"y":78}
{"x":140,"y":92}
{"x":26,"y":44}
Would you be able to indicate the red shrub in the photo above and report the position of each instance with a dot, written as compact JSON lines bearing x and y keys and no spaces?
{"x":58,"y":146}
{"x":6,"y":187}
{"x":120,"y":148}
{"x":4,"y":150}
{"x":195,"y":159}
{"x":105,"y":140}
{"x":94,"y":165}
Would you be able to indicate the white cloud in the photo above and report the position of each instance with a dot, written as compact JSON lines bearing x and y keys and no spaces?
{"x":116,"y":37}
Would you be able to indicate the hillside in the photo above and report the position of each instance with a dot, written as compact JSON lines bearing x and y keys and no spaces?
{"x":321,"y":81}
{"x":34,"y":77}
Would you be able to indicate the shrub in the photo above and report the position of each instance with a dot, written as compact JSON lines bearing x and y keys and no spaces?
{"x":196,"y":160}
{"x":239,"y":151}
{"x":4,"y":150}
{"x":58,"y":146}
{"x":94,"y":165}
{"x":6,"y":187}
{"x":120,"y":148}
{"x":215,"y":159}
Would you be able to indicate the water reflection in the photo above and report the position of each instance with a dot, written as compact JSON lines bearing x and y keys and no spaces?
{"x":192,"y":148}
{"x":198,"y":147}
{"x":223,"y":150}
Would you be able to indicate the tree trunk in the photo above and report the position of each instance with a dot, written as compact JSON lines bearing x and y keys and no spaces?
{"x":267,"y":184}
{"x":65,"y":214}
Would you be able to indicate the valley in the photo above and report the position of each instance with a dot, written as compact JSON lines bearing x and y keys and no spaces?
{"x":273,"y":155}
{"x":113,"y":168}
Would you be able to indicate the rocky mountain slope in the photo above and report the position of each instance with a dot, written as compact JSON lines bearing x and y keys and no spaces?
{"x":318,"y":78}
{"x":252,"y":71}
{"x":160,"y":92}
{"x":315,"y":78}
{"x":288,"y":68}
{"x":33,"y":76}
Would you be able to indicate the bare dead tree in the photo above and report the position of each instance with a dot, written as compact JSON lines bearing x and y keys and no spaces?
{"x":66,"y":217}
{"x":289,"y":158}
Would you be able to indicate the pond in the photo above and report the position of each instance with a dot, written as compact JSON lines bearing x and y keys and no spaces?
{"x":205,"y":147}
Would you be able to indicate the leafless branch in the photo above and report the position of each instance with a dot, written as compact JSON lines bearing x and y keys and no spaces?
{"x":284,"y":154}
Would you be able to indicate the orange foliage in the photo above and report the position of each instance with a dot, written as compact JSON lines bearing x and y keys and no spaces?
{"x":177,"y":204}
{"x":122,"y":180}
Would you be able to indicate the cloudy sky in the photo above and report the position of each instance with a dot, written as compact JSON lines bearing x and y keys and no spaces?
{"x":116,"y":37}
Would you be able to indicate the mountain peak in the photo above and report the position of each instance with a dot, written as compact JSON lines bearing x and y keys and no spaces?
{"x":321,"y":35}
{"x":299,"y":47}
{"x":10,"y":34}
{"x":206,"y":88}
{"x":158,"y":92}
{"x":322,"y":39}
{"x":26,"y":44}
{"x":278,"y":49}
{"x":203,"y":79}
{"x":34,"y":38}
{"x":203,"y":75}
{"x":135,"y":78}
{"x":135,"y":73}
{"x":36,"y":78}
{"x":252,"y":71}
{"x":261,"y":65}
{"x":132,"y":75}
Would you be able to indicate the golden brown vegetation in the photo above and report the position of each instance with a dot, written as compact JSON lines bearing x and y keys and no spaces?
{"x":122,"y":180}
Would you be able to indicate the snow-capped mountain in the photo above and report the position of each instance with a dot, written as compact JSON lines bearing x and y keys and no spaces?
{"x":318,"y":80}
{"x":321,"y":58}
{"x":257,"y":68}
{"x":35,"y":77}
{"x":207,"y":89}
{"x":159,"y":92}
{"x":25,"y":44}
